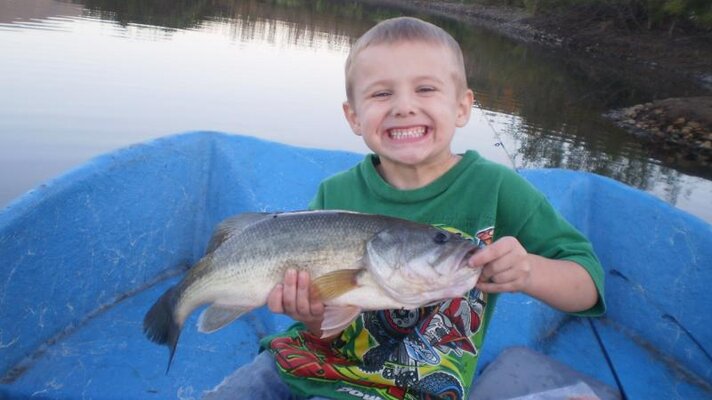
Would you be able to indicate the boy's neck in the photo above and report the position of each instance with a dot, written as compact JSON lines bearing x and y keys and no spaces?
{"x":406,"y":177}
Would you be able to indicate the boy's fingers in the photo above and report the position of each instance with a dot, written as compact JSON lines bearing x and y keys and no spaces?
{"x":274,"y":300}
{"x":479,"y":259}
{"x":486,"y":255}
{"x":317,"y":307}
{"x":507,"y":276}
{"x":495,"y":251}
{"x":494,"y":268}
{"x":512,"y":279}
{"x":289,"y":293}
{"x":290,"y":277}
{"x":303,"y":293}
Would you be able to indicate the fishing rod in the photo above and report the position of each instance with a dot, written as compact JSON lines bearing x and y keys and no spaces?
{"x":500,"y":142}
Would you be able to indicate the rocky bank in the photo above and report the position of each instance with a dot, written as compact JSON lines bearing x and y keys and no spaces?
{"x":680,"y":125}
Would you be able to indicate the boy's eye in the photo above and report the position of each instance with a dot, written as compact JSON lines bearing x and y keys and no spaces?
{"x":425,"y":89}
{"x":381,"y":94}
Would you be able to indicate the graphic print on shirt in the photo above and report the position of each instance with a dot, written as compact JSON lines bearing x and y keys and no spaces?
{"x":486,"y":235}
{"x":395,"y":354}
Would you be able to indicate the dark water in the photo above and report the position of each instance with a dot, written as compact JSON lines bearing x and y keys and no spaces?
{"x":79,"y":78}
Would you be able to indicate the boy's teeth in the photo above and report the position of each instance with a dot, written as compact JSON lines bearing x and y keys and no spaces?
{"x":407,"y":133}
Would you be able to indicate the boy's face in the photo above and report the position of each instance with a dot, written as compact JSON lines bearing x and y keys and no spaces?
{"x":406,"y":104}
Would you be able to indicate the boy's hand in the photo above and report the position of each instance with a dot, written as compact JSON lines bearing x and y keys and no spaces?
{"x":295,"y":298}
{"x":506,"y":266}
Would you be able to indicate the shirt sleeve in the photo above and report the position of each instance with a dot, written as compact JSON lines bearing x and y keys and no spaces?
{"x":549,"y":235}
{"x":317,"y":202}
{"x":543,"y":231}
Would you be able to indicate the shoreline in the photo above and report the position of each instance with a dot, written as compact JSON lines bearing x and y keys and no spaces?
{"x":657,"y":57}
{"x":682,"y":54}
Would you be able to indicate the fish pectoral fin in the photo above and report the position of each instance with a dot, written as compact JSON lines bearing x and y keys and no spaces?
{"x":337,"y":318}
{"x":334,"y":284}
{"x":217,"y":316}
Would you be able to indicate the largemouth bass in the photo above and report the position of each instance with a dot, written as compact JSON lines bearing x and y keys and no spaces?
{"x":357,"y":262}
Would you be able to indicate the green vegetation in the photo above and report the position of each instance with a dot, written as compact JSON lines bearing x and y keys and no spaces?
{"x":634,"y":14}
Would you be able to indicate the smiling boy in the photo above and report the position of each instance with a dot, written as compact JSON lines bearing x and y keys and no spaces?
{"x":408,"y":107}
{"x":406,"y":96}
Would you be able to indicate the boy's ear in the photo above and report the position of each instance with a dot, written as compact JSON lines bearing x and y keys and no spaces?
{"x":350,"y":115}
{"x":464,"y":108}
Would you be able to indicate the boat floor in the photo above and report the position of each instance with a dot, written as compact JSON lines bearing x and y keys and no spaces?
{"x":108,"y":356}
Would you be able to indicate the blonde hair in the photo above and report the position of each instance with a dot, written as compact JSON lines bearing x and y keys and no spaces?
{"x":405,"y":29}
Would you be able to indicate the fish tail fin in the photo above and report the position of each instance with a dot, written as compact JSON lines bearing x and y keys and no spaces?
{"x":160,"y":325}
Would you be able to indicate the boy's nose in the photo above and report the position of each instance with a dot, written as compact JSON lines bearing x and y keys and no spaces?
{"x":403,"y":106}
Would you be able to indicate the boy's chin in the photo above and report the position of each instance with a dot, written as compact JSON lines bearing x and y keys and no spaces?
{"x":406,"y":158}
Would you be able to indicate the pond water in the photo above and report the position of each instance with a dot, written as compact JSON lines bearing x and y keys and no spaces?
{"x":83,"y":77}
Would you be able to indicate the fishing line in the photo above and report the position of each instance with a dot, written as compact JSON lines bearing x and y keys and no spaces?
{"x":607,"y":357}
{"x":499,"y":142}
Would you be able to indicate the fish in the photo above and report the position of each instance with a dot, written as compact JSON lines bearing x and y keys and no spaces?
{"x":357,"y":262}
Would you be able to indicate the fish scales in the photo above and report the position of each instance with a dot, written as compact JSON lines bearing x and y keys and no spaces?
{"x":317,"y":242}
{"x":327,"y":240}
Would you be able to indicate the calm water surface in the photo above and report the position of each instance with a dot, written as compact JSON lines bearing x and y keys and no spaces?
{"x":79,"y":78}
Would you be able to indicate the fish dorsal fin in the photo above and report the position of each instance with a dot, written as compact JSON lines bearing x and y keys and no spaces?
{"x":334,"y":284}
{"x":232,"y":226}
{"x":217,"y":316}
{"x":337,"y":318}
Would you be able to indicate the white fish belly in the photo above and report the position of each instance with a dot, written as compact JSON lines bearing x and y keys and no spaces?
{"x":368,"y":298}
{"x":224,"y":292}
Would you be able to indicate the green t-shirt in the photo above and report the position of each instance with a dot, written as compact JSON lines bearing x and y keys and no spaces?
{"x":394,"y":354}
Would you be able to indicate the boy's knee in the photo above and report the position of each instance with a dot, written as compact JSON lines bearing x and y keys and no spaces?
{"x":258,"y":379}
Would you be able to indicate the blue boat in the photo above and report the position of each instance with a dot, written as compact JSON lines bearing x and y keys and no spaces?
{"x":85,"y":255}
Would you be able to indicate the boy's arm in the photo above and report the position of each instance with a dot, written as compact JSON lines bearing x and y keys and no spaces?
{"x":507,"y":267}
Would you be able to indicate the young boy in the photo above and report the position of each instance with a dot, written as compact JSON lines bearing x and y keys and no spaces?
{"x":406,"y":95}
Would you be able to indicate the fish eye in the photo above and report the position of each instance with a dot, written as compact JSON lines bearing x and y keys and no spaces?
{"x":441,"y":237}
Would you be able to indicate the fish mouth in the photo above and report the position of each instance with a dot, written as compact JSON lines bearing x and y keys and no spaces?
{"x":469,"y":252}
